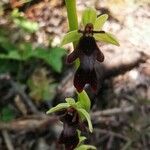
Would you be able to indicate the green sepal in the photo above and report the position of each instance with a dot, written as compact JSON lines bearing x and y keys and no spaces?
{"x":106,"y":37}
{"x":59,"y":107}
{"x":89,"y":16}
{"x":81,"y":138}
{"x":86,"y":147}
{"x":84,"y":100}
{"x":100,"y":22}
{"x":86,"y":116}
{"x":81,"y":145}
{"x":71,"y":102}
{"x":71,"y":36}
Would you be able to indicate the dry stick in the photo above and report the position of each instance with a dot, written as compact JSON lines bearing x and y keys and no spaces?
{"x":113,"y":111}
{"x":32,"y":124}
{"x":118,"y":135}
{"x":26,"y":99}
{"x":7,"y":140}
{"x":110,"y":142}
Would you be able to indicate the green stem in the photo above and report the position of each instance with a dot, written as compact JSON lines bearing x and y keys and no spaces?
{"x":72,"y":20}
{"x":72,"y":14}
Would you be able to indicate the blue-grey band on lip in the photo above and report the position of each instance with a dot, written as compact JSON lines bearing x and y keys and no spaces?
{"x":81,"y":31}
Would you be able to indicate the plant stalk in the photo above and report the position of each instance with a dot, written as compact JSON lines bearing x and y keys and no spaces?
{"x":72,"y":21}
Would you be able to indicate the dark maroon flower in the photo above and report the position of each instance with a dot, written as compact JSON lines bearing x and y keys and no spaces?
{"x":88,"y":53}
{"x":69,"y":135}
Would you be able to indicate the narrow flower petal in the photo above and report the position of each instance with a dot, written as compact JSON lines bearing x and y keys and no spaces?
{"x":73,"y":56}
{"x":71,"y":36}
{"x":100,"y":22}
{"x":106,"y":37}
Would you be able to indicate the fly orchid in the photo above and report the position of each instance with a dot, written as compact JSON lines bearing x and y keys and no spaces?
{"x":86,"y":49}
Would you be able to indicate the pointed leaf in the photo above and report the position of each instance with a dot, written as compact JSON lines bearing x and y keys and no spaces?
{"x":100,"y":22}
{"x":87,"y":117}
{"x":89,"y":16}
{"x":86,"y":147}
{"x":106,"y":37}
{"x":84,"y":100}
{"x":81,"y":138}
{"x":52,"y":56}
{"x":70,"y":101}
{"x":71,"y":37}
{"x":59,"y":107}
{"x":11,"y":55}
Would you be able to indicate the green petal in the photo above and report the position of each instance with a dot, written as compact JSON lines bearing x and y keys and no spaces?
{"x":89,"y":16}
{"x":100,"y":22}
{"x":84,"y":100}
{"x":106,"y":37}
{"x":86,"y":147}
{"x":59,"y":107}
{"x":71,"y":37}
{"x":71,"y":101}
{"x":81,"y":138}
{"x":87,"y":117}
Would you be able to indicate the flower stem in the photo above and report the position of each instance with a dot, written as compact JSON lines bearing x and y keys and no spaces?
{"x":72,"y":14}
{"x":72,"y":20}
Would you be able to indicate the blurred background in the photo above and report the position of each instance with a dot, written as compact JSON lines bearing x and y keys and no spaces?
{"x":34,"y":75}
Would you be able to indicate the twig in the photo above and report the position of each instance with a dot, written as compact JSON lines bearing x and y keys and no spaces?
{"x":26,"y":99}
{"x":111,"y":133}
{"x":113,"y":111}
{"x":29,"y":124}
{"x":7,"y":140}
{"x":110,"y":142}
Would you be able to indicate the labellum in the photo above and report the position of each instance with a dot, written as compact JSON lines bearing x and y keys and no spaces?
{"x":69,"y":135}
{"x":88,"y":53}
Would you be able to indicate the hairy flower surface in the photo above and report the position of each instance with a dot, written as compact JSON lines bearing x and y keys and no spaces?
{"x":88,"y":53}
{"x":69,"y":135}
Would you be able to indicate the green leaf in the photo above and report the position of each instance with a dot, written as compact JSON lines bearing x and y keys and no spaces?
{"x":86,"y":147}
{"x":55,"y":58}
{"x":100,"y":22}
{"x":106,"y":37}
{"x":71,"y":36}
{"x":59,"y":107}
{"x":84,"y":100}
{"x":52,"y":56}
{"x":7,"y":114}
{"x":89,"y":16}
{"x":5,"y":42}
{"x":21,"y":21}
{"x":6,"y":66}
{"x":27,"y":25}
{"x":11,"y":55}
{"x":81,"y":139}
{"x":70,"y":101}
{"x":87,"y":117}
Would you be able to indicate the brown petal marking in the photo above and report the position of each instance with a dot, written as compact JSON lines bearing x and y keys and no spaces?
{"x":80,"y":79}
{"x":93,"y":80}
{"x":85,"y":76}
